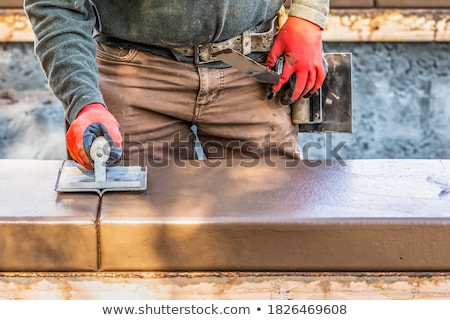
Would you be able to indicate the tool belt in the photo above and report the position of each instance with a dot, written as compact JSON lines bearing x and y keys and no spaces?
{"x":248,"y":42}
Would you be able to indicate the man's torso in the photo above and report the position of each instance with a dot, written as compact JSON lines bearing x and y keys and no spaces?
{"x":174,"y":23}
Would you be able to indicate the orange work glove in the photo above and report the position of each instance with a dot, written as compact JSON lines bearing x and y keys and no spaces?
{"x":300,"y":41}
{"x":94,"y":120}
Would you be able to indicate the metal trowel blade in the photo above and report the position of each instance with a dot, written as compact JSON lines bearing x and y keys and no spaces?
{"x":74,"y":178}
{"x":246,"y":65}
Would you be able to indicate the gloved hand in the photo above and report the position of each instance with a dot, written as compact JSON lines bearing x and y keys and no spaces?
{"x":300,"y":41}
{"x":92,"y":121}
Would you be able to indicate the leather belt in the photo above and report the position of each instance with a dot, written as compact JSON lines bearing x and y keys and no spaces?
{"x":245,"y":43}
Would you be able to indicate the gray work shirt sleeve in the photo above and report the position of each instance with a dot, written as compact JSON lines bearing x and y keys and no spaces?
{"x":315,"y":11}
{"x":66,"y":50}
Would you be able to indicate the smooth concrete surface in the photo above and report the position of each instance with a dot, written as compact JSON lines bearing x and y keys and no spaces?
{"x":41,"y":230}
{"x":359,"y":215}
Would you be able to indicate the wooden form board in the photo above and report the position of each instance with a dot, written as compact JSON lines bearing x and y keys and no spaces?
{"x":11,"y":4}
{"x":394,"y":25}
{"x":412,"y":3}
{"x":343,"y":25}
{"x":225,"y":286}
{"x":389,"y":4}
{"x":352,"y":3}
{"x":333,"y":3}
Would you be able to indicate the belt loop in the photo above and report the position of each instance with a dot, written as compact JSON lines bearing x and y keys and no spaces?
{"x":246,"y":43}
{"x":197,"y":54}
{"x":287,"y":4}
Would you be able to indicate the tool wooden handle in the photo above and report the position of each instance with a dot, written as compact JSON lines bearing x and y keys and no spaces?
{"x":100,"y":148}
{"x":100,"y":151}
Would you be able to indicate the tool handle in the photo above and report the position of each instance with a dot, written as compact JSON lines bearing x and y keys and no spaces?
{"x":100,"y":151}
{"x":100,"y":148}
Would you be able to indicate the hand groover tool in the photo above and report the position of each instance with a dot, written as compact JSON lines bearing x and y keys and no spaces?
{"x":328,"y":110}
{"x":72,"y":177}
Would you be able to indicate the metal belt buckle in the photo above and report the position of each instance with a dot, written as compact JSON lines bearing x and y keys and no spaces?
{"x":207,"y":50}
{"x":197,"y":55}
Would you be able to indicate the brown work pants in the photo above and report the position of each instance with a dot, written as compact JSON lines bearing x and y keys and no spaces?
{"x":157,"y":100}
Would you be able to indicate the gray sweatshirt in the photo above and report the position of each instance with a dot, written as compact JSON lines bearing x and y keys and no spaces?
{"x":66,"y":48}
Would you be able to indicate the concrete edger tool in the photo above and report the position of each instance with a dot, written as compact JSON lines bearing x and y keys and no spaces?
{"x":73,"y":177}
{"x":328,"y":110}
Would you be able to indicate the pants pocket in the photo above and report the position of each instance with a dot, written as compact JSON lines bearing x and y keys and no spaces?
{"x":113,"y":53}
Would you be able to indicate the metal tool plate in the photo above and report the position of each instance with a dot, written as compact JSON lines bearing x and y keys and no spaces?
{"x":74,"y":178}
{"x":334,"y":102}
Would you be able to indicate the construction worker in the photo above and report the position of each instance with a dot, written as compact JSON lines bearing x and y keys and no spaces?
{"x":140,"y":73}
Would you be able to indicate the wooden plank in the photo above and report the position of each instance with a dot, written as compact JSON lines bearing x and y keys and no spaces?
{"x":14,"y":26}
{"x":223,"y":286}
{"x":413,"y":3}
{"x":343,"y":25}
{"x":11,"y":4}
{"x":388,"y":25}
{"x":352,"y":3}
